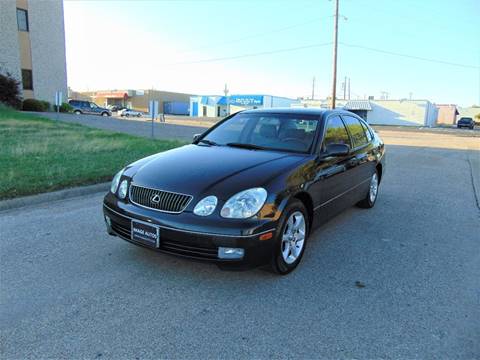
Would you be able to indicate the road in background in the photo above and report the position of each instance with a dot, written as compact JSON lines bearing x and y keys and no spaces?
{"x":401,"y":280}
{"x":183,"y":128}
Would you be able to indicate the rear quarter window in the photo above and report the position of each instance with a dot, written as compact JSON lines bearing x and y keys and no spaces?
{"x":356,"y":130}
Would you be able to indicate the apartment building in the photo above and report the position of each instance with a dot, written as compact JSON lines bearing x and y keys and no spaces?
{"x":32,"y":43}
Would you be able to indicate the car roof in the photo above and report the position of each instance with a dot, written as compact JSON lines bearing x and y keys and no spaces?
{"x":297,"y":111}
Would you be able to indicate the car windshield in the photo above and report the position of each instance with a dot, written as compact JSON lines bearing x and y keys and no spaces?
{"x":286,"y":132}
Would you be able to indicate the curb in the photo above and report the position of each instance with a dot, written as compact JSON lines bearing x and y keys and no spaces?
{"x":474,"y":162}
{"x":53,"y":196}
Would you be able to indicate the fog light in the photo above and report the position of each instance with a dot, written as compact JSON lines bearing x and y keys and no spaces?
{"x":108,"y":221}
{"x":122,"y":189}
{"x":230,"y":253}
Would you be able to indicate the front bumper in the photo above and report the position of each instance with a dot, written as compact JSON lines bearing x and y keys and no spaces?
{"x":179,"y":237}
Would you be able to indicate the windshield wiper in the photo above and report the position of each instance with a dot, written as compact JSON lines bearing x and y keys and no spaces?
{"x":246,"y":146}
{"x":208,"y":142}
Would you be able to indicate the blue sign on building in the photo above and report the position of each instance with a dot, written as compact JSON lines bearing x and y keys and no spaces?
{"x":246,"y":100}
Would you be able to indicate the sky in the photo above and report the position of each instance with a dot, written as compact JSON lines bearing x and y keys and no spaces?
{"x":276,"y":47}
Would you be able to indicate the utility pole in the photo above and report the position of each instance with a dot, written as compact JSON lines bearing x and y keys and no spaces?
{"x":348,"y":88}
{"x":313,"y":88}
{"x":335,"y":46}
{"x":345,"y":88}
{"x":225,"y":91}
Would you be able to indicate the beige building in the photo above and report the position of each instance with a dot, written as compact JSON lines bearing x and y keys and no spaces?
{"x":168,"y":102}
{"x":32,"y":43}
{"x":385,"y":112}
{"x":447,"y":114}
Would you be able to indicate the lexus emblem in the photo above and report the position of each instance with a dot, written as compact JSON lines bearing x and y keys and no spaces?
{"x":155,"y":199}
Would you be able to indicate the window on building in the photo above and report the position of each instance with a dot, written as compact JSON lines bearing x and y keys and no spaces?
{"x":27,"y":80}
{"x":356,"y":131}
{"x":22,"y":19}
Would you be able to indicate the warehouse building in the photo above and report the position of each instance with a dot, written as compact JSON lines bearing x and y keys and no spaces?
{"x":447,"y":114}
{"x":171,"y":103}
{"x":32,"y":43}
{"x":220,"y":106}
{"x":385,"y":112}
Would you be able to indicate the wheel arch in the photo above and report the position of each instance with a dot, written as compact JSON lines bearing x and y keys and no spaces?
{"x":307,"y":201}
{"x":379,"y":168}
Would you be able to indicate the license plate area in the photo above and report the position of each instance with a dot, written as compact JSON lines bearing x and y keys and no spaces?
{"x":145,"y":233}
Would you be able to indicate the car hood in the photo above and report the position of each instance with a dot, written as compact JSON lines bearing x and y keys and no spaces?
{"x":198,"y":169}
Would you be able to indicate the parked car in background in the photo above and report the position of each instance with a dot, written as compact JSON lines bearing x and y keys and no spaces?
{"x":129,"y":112}
{"x":114,"y":108}
{"x":88,"y":107}
{"x":466,"y":122}
{"x":249,"y":190}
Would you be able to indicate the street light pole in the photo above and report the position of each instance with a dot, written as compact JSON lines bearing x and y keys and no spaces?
{"x":335,"y":46}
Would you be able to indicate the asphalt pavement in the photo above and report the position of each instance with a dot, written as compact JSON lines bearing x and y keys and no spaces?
{"x":401,"y":280}
{"x":134,"y":126}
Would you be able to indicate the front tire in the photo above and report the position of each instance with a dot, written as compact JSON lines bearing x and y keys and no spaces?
{"x":371,"y":198}
{"x":291,"y":238}
{"x":104,"y":114}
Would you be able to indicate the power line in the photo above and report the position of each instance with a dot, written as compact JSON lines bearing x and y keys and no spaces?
{"x":252,"y":54}
{"x":410,"y":56}
{"x":256,"y":35}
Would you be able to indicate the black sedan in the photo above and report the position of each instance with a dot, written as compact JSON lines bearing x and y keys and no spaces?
{"x":466,"y":122}
{"x":249,"y":190}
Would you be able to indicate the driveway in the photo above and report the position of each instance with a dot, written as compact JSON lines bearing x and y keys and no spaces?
{"x":401,"y":280}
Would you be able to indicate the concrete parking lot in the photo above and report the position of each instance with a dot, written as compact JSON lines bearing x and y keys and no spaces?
{"x":401,"y":280}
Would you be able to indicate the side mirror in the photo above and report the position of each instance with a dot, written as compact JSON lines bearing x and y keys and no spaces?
{"x":196,"y":137}
{"x":338,"y":150}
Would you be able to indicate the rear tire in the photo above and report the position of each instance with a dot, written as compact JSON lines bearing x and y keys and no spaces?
{"x":77,"y":112}
{"x":291,"y":238}
{"x":369,"y":201}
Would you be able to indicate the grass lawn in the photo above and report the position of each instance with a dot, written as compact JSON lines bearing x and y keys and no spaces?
{"x":39,"y":155}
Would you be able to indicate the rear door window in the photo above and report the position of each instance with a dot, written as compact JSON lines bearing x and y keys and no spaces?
{"x":356,"y":131}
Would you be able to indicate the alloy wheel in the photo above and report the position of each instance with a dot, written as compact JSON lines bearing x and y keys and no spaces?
{"x":373,"y":188}
{"x":293,"y":238}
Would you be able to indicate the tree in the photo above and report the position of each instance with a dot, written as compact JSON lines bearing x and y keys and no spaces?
{"x":10,"y":91}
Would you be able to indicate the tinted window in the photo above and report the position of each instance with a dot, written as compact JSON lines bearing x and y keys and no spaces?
{"x":335,"y":132}
{"x":22,"y":19}
{"x":356,"y":131}
{"x":367,"y":131}
{"x":27,"y":80}
{"x":289,"y":132}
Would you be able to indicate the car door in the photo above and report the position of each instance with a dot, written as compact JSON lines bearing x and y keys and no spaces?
{"x":363,"y":154}
{"x":333,"y":173}
{"x":85,"y":107}
{"x":94,"y":109}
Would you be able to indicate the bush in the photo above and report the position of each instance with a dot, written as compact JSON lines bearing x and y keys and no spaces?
{"x":35,"y":105}
{"x":46,"y":105}
{"x":64,"y":108}
{"x":10,"y":91}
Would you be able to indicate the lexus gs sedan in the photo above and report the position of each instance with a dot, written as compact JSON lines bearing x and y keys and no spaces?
{"x":250,"y":190}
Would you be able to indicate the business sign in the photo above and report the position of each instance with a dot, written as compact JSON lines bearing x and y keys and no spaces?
{"x":111,"y":94}
{"x":246,"y":100}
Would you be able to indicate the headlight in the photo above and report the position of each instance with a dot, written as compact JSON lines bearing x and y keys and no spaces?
{"x":206,"y":206}
{"x":244,"y":204}
{"x":116,"y":181}
{"x":122,"y":189}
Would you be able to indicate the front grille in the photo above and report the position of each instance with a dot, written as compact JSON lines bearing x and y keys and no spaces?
{"x":164,"y":200}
